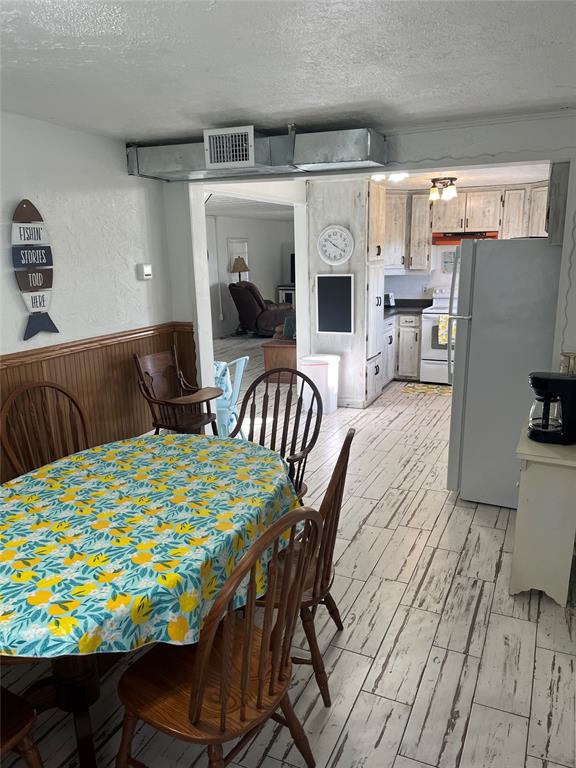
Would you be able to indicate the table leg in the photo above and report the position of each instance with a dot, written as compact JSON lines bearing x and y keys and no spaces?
{"x":78,"y":686}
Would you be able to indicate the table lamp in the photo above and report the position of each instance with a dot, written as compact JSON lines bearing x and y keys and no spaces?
{"x":239,"y":265}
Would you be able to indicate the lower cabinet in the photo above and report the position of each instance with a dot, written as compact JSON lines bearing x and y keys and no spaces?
{"x":374,"y":377}
{"x":389,"y":353}
{"x":408,"y":347}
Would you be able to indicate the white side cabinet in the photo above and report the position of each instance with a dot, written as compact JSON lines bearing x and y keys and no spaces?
{"x":408,"y":347}
{"x":395,"y":231}
{"x":375,"y":310}
{"x":537,"y":217}
{"x":483,"y":211}
{"x":374,"y":377}
{"x":545,"y":520}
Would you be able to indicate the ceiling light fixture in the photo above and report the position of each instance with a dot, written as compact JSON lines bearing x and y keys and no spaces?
{"x":398,"y":176}
{"x":378,"y":177}
{"x":443,"y":188}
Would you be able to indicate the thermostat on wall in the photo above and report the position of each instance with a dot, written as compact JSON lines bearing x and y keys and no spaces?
{"x":144,"y":271}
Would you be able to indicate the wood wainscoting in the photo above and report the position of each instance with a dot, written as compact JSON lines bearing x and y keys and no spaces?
{"x":101,"y":373}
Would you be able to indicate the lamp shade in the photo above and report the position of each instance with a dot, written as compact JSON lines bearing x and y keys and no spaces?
{"x":239,"y":265}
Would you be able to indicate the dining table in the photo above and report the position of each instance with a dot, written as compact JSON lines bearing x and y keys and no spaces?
{"x":124,"y":545}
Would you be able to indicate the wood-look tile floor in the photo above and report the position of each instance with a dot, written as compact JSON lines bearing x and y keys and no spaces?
{"x":437,"y":664}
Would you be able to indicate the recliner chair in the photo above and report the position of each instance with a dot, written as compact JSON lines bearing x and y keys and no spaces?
{"x":256,"y":314}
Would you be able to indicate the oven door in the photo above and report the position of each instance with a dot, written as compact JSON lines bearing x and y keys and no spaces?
{"x":435,"y":337}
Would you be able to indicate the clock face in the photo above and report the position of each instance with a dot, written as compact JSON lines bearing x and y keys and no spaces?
{"x":335,"y":244}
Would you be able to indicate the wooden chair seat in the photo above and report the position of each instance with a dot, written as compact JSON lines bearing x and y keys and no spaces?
{"x":188,"y":423}
{"x":16,"y":719}
{"x":157,"y":689}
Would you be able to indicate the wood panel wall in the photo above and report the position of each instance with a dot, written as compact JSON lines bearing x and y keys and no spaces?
{"x":101,"y":373}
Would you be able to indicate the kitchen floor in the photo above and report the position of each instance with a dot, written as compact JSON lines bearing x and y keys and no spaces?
{"x":437,"y":664}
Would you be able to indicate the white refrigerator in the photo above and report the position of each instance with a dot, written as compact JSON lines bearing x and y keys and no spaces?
{"x":503,"y":328}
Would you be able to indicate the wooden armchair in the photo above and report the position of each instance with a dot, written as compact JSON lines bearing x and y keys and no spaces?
{"x":237,"y":676}
{"x":175,"y":404}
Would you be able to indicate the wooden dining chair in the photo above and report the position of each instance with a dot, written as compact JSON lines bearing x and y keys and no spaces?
{"x":320,"y":576}
{"x":16,"y":720}
{"x":237,"y":676}
{"x":161,"y":381}
{"x":272,"y":414}
{"x":39,"y":423}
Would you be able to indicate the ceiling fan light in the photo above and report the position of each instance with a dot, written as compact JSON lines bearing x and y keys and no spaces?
{"x":434,"y":194}
{"x":449,"y":192}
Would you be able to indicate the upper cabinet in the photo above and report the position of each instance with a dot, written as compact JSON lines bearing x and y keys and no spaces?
{"x":469,"y":212}
{"x":483,"y":211}
{"x":420,"y":233}
{"x":449,"y":215}
{"x":376,"y":221}
{"x":513,"y":219}
{"x":395,"y":235}
{"x":537,"y":216}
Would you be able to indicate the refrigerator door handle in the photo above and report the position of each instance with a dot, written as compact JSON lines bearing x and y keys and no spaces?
{"x":451,"y":319}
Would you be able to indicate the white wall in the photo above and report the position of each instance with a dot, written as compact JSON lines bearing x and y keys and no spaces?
{"x":267,"y":239}
{"x":101,"y":222}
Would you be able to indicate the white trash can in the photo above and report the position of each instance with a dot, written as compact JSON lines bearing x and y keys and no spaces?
{"x":323,"y":370}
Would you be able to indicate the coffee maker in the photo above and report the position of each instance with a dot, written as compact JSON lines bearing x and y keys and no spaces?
{"x":553,"y":413}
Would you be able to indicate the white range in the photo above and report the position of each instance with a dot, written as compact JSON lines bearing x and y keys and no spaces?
{"x":434,"y":346}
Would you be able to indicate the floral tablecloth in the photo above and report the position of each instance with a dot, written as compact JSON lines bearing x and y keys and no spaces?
{"x":128,"y":543}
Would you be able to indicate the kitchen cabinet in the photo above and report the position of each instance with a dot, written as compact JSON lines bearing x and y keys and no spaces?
{"x":420,"y":233}
{"x":395,"y":230}
{"x":408,"y":347}
{"x":389,"y":352}
{"x":374,"y":377}
{"x":375,"y":310}
{"x":537,"y":216}
{"x":483,"y":211}
{"x":449,"y":215}
{"x":513,"y":214}
{"x":557,"y":196}
{"x":376,"y":221}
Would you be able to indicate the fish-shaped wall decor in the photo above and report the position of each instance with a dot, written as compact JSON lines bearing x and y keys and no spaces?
{"x":33,"y":266}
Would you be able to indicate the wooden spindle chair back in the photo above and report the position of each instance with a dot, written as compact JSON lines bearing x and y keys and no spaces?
{"x":40,"y":423}
{"x":252,"y":684}
{"x":272,"y":414}
{"x":330,"y":511}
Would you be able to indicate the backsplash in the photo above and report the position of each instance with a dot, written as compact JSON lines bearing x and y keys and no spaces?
{"x":416,"y":286}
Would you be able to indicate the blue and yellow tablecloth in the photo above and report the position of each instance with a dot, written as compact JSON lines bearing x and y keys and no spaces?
{"x":128,"y":543}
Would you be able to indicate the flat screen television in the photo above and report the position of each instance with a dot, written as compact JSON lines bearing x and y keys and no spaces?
{"x":335,"y":303}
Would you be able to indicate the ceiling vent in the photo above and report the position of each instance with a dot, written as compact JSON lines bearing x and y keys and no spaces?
{"x":240,"y":152}
{"x":230,"y":147}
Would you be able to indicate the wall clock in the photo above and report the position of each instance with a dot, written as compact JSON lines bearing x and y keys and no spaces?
{"x":335,"y":244}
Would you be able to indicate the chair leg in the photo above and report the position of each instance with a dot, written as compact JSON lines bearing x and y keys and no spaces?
{"x":317,"y":660}
{"x":29,"y":753}
{"x":157,"y":431}
{"x":297,"y":732}
{"x":215,"y":756}
{"x":129,"y":726}
{"x":330,"y":603}
{"x":215,"y":428}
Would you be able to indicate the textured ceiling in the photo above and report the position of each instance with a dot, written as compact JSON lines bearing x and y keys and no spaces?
{"x":142,"y":70}
{"x":237,"y":207}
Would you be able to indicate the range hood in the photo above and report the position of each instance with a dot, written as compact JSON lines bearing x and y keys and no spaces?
{"x":240,"y":152}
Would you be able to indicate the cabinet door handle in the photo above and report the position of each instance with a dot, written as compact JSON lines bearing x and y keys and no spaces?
{"x":402,"y":259}
{"x":377,"y":370}
{"x":416,"y":337}
{"x":378,"y":250}
{"x":461,"y":223}
{"x":467,"y":222}
{"x":390,"y":340}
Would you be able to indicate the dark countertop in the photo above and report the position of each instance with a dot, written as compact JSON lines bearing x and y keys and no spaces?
{"x":407,"y":307}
